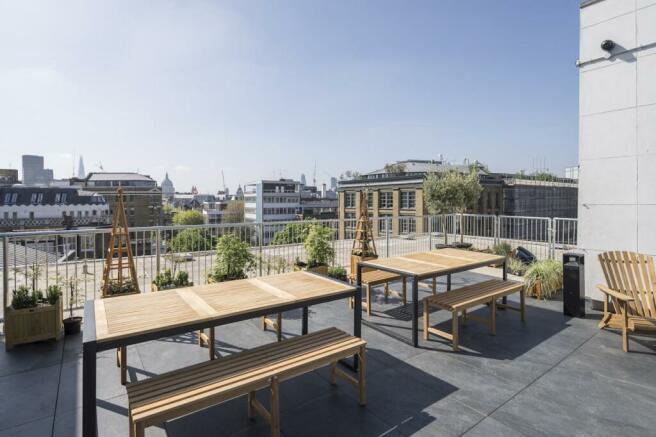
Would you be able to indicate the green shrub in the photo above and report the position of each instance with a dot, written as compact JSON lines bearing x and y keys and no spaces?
{"x":292,"y":233}
{"x":53,"y":293}
{"x":549,"y":273}
{"x":337,"y":272}
{"x":22,"y":298}
{"x":181,"y":279}
{"x":233,"y":259}
{"x":190,"y":240}
{"x":515,"y":267}
{"x":503,"y":249}
{"x":190,"y":217}
{"x":317,"y":246}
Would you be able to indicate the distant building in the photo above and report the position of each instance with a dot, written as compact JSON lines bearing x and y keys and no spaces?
{"x":142,"y":196}
{"x":318,"y":204}
{"x":272,"y":201}
{"x":399,"y":195}
{"x":303,"y":181}
{"x":333,"y":183}
{"x":24,"y":207}
{"x":168,"y":191}
{"x":8,"y":176}
{"x":239,"y":194}
{"x":81,"y":174}
{"x":33,"y":171}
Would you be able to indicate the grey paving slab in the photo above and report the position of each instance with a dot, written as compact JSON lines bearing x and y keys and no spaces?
{"x":30,"y":356}
{"x":445,"y":418}
{"x":28,"y":396}
{"x":39,"y":427}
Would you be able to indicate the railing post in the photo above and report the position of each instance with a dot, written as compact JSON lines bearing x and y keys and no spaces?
{"x":430,"y":232}
{"x":5,"y":273}
{"x":455,"y":227}
{"x":550,"y":236}
{"x":260,"y":239}
{"x":158,"y":245}
{"x":388,"y":228}
{"x":496,"y":230}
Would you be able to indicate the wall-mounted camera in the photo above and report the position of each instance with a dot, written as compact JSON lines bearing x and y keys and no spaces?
{"x":608,"y":45}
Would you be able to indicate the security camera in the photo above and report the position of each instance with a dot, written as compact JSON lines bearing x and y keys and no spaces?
{"x":607,"y":45}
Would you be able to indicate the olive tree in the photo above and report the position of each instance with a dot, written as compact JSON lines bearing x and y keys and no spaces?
{"x":451,"y":192}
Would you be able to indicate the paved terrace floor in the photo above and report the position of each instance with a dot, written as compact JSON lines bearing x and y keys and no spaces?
{"x":553,"y":376}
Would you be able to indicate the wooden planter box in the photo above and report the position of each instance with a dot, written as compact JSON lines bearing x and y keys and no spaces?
{"x":154,"y":287}
{"x":28,"y":325}
{"x":321,"y":270}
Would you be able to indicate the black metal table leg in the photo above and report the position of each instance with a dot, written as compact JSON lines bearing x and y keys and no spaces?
{"x":415,"y":311}
{"x":89,"y":424}
{"x":304,"y":325}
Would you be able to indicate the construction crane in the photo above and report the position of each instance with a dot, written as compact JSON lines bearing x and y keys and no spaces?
{"x":223,"y":179}
{"x":100,"y":166}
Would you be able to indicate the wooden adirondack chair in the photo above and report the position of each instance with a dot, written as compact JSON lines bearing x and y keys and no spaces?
{"x":631,"y":288}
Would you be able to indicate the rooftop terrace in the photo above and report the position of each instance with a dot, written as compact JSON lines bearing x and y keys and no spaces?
{"x":554,"y":375}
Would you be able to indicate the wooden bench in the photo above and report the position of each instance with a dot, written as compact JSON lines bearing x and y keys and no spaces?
{"x":180,"y":392}
{"x":373,"y":278}
{"x":461,"y":299}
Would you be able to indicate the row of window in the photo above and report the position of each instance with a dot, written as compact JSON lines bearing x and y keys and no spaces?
{"x":278,"y":199}
{"x":35,"y":199}
{"x":272,"y":211}
{"x":14,"y":215}
{"x":385,"y":200}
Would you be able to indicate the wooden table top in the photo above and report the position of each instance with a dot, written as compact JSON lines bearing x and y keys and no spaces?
{"x":436,"y":262}
{"x":123,"y":316}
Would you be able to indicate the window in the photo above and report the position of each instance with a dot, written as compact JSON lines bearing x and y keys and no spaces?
{"x":33,"y":198}
{"x":407,"y":199}
{"x":350,"y":200}
{"x":57,"y":197}
{"x":408,"y":225}
{"x":39,"y":198}
{"x":384,"y":224}
{"x":370,"y":200}
{"x":10,"y":198}
{"x":349,"y":224}
{"x":385,"y":199}
{"x":6,"y":215}
{"x":31,"y":215}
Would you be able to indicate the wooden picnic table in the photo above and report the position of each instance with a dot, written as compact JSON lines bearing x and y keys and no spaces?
{"x":127,"y":320}
{"x":424,"y":265}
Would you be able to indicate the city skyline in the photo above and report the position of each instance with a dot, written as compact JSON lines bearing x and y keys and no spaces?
{"x":263,"y":91}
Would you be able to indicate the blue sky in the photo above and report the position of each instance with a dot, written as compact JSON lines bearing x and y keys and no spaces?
{"x":264,"y":88}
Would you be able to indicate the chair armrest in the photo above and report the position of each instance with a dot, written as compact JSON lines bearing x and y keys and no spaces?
{"x":615,"y":294}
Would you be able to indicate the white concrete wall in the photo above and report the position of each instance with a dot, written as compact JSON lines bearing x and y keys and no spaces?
{"x":617,"y":133}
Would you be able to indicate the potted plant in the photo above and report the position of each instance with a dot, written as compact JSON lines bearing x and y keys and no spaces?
{"x":166,"y":280}
{"x":233,"y":259}
{"x":72,"y":323}
{"x":33,"y":317}
{"x":318,"y":249}
{"x":544,"y":279}
{"x":337,"y":272}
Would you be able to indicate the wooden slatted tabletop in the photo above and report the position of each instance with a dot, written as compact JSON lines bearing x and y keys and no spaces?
{"x":435,"y":263}
{"x":126,"y":316}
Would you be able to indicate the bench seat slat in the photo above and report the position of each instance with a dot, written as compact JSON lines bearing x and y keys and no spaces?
{"x":474,"y":294}
{"x":182,"y":391}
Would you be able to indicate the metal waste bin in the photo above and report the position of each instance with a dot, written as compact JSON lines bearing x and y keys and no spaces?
{"x":573,"y":284}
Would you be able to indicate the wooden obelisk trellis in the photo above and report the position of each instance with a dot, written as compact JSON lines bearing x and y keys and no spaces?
{"x":119,"y":274}
{"x":363,"y":244}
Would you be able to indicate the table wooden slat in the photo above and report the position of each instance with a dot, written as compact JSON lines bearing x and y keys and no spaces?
{"x":126,"y":316}
{"x":436,"y":262}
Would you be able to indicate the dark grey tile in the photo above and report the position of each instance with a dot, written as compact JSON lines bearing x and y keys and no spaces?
{"x":36,"y":428}
{"x":446,"y":417}
{"x":493,"y":428}
{"x":31,"y":356}
{"x":28,"y":396}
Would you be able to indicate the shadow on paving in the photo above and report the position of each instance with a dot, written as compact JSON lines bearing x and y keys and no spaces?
{"x":311,"y":406}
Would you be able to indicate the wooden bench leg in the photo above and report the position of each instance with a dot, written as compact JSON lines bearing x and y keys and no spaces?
{"x":279,"y":326}
{"x":522,"y":305}
{"x":275,"y":407}
{"x":333,"y":375}
{"x":200,"y":337}
{"x":386,"y":290}
{"x":123,"y":352}
{"x":251,"y":408}
{"x":139,"y":429}
{"x":362,"y":377}
{"x":434,"y":286}
{"x":493,"y":317}
{"x":426,"y":321}
{"x":368,"y":299}
{"x":211,"y":344}
{"x":455,"y":322}
{"x":403,"y":291}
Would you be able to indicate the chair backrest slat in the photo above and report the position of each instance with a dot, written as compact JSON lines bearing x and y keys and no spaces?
{"x":634,"y":275}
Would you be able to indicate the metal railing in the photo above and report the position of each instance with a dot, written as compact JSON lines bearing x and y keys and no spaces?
{"x":41,"y":258}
